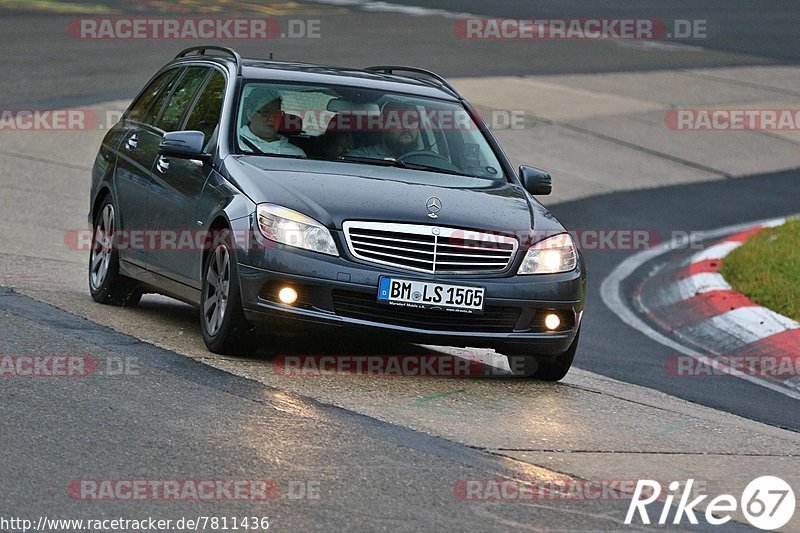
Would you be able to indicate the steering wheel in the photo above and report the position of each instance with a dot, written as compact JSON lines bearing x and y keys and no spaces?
{"x":428,"y":158}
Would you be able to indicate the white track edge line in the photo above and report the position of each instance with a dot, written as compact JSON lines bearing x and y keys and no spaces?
{"x":610,"y":292}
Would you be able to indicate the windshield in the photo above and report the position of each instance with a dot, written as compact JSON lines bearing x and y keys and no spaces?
{"x":362,"y":126}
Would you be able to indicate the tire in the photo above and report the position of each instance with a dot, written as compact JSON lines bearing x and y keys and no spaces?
{"x":106,"y":284}
{"x":529,"y":366}
{"x":222,"y":321}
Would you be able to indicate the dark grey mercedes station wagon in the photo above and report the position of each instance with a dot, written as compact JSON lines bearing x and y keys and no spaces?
{"x":286,"y":198}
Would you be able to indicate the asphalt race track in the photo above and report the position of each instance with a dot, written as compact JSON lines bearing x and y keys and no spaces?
{"x":636,"y":358}
{"x":379,"y":452}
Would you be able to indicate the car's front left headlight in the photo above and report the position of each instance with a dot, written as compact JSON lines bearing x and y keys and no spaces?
{"x":551,"y":256}
{"x":292,"y":228}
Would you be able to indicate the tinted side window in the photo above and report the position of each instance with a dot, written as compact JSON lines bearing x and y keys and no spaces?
{"x":139,"y":109}
{"x":158,"y":103}
{"x":208,"y":108}
{"x":182,"y":96}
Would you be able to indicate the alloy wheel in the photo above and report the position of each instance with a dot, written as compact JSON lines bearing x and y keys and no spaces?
{"x":217,"y":289}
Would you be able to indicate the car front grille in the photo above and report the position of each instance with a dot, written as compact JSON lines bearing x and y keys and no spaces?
{"x":431,"y":249}
{"x":363,"y":306}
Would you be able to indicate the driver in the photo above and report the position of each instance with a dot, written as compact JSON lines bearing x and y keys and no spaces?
{"x":262,"y":110}
{"x":400,"y":133}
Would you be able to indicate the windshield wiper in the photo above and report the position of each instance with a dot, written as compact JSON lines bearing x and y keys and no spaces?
{"x":285,"y":156}
{"x":418,"y":166}
{"x":392,"y":162}
{"x":288,"y":156}
{"x":387,"y":162}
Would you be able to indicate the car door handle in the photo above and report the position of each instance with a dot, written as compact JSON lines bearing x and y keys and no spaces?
{"x":162,"y":164}
{"x":133,"y":142}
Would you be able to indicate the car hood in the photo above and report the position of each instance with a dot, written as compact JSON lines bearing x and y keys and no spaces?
{"x":333,"y":192}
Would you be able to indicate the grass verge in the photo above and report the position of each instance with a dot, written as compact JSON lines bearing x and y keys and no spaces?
{"x":766,"y":269}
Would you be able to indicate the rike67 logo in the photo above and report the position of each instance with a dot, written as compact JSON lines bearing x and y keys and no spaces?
{"x":767,"y":503}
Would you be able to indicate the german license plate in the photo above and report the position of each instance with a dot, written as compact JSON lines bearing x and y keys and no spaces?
{"x":430,"y":295}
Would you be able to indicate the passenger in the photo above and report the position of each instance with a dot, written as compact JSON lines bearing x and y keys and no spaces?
{"x":262,"y":110}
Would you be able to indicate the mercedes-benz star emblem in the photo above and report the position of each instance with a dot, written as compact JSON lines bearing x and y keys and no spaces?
{"x":434,"y":206}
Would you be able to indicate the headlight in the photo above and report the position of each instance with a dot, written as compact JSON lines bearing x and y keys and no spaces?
{"x":291,"y":228}
{"x":551,"y":256}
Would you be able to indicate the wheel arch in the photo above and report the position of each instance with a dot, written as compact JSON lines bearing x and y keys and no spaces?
{"x":220,"y":222}
{"x":103,"y":192}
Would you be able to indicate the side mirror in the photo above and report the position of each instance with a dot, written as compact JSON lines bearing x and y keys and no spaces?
{"x":535,"y":180}
{"x":183,"y":145}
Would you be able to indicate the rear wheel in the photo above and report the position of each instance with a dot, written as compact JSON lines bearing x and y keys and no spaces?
{"x":222,"y":321}
{"x":527,"y":365}
{"x":106,"y":284}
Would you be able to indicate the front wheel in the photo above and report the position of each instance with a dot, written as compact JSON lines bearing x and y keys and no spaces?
{"x":222,"y":321}
{"x":527,"y":365}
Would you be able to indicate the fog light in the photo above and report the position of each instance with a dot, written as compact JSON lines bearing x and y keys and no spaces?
{"x":288,"y":295}
{"x":552,"y":321}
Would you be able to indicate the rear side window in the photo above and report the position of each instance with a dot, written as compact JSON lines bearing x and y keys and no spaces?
{"x":140,"y":109}
{"x":181,"y":98}
{"x":155,"y":109}
{"x":206,"y":112}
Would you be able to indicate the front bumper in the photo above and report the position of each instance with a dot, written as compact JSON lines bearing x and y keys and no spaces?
{"x":340,"y":293}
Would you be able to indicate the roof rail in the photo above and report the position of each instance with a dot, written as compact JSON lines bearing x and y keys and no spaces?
{"x":391,"y":69}
{"x":202,"y":51}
